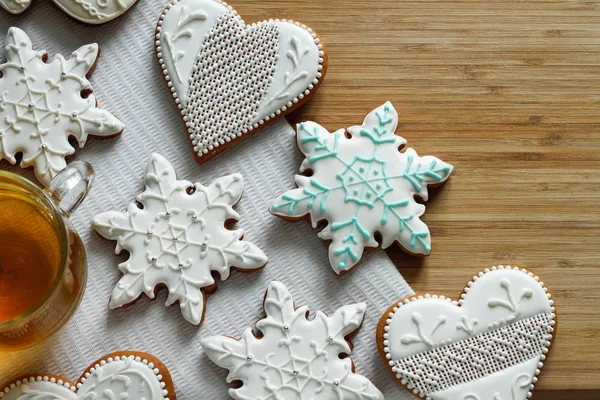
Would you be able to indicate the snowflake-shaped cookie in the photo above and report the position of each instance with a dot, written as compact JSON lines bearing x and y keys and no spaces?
{"x":362,"y":185}
{"x":178,"y":238}
{"x":43,"y":104}
{"x":296,"y":359}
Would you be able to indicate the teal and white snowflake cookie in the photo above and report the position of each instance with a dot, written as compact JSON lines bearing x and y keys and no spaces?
{"x":362,"y":185}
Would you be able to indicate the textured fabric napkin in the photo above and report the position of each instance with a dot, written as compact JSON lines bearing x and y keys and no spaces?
{"x":128,"y":83}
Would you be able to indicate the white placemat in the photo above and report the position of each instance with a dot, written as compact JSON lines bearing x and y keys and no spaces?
{"x":128,"y":83}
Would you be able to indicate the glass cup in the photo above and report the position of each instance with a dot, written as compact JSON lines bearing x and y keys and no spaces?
{"x":43,"y":266}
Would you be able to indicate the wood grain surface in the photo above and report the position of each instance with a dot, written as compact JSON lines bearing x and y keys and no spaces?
{"x":509,"y":93}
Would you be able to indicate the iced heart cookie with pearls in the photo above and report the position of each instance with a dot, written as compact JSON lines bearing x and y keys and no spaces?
{"x":124,"y":375}
{"x":490,"y":344}
{"x":88,"y":11}
{"x":230,"y":79}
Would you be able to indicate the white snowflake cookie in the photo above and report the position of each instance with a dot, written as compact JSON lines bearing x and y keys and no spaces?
{"x":362,"y":185}
{"x":88,"y":11}
{"x":490,"y":344}
{"x":296,"y":358}
{"x":178,"y":238}
{"x":228,"y":78}
{"x":131,"y":375}
{"x":43,"y":104}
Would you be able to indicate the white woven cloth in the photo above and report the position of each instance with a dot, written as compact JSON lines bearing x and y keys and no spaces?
{"x":128,"y":83}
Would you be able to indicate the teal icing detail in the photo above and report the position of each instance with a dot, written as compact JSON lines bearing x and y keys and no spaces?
{"x":322,"y":145}
{"x":385,"y":119}
{"x":377,"y":140}
{"x":388,"y":207}
{"x":372,"y":180}
{"x":417,"y":175}
{"x":419,"y":236}
{"x":311,"y":196}
{"x":351,"y":239}
{"x":346,"y":251}
{"x":324,"y":192}
{"x":379,"y":132}
{"x":358,"y":174}
{"x":354,"y":221}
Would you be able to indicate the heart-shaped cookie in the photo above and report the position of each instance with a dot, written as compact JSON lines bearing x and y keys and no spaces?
{"x":124,"y":375}
{"x":490,"y":344}
{"x":88,"y":11}
{"x":228,"y":78}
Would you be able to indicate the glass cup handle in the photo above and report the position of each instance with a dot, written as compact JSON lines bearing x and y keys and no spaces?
{"x":72,"y":185}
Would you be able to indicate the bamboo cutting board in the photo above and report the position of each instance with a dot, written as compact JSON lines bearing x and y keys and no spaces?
{"x":508,"y":92}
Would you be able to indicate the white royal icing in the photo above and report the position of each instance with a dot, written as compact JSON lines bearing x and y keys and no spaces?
{"x":489,"y":343}
{"x":362,"y":185}
{"x":121,"y":377}
{"x":95,"y":11}
{"x":15,"y":6}
{"x":228,"y":78}
{"x":178,"y":238}
{"x":89,"y":11}
{"x":41,"y":106}
{"x":296,"y":358}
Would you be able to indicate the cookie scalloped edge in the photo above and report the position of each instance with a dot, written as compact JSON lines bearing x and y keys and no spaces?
{"x":38,"y":378}
{"x":386,"y":319}
{"x":321,"y":69}
{"x":90,"y":370}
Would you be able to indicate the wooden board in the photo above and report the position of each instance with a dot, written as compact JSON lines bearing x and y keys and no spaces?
{"x":508,"y":92}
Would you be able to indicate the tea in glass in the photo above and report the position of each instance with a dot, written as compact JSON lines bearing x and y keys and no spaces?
{"x":42,"y":264}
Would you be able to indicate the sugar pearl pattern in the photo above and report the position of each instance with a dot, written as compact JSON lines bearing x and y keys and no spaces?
{"x":491,"y":343}
{"x":229,"y":78}
{"x":113,"y":377}
{"x":88,"y":11}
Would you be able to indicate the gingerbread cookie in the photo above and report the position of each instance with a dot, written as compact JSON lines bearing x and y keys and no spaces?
{"x":123,"y":375}
{"x":88,"y":11}
{"x":295,"y":358}
{"x":491,"y":343}
{"x":43,"y":104}
{"x":362,"y":185}
{"x":228,"y":78}
{"x":178,"y":239}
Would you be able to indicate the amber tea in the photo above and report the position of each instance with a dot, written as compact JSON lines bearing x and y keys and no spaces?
{"x":42,"y":264}
{"x":29,"y":254}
